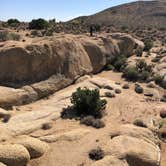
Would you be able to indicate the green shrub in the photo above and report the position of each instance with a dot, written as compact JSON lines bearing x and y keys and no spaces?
{"x":13,"y":22}
{"x":139,"y":89}
{"x":38,"y":24}
{"x":109,"y":67}
{"x":88,"y":102}
{"x":118,"y":62}
{"x":144,"y":75}
{"x":5,"y":35}
{"x":139,"y":51}
{"x":158,"y":79}
{"x":96,"y":154}
{"x":131,"y":73}
{"x":148,"y":45}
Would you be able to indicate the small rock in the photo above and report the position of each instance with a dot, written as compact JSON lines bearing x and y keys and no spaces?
{"x":125,"y":86}
{"x":35,"y":147}
{"x":139,"y":89}
{"x":163,"y":113}
{"x":118,"y":91}
{"x":140,"y":123}
{"x":46,"y":126}
{"x":14,"y":155}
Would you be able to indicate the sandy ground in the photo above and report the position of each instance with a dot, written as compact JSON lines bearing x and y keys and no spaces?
{"x":124,"y":108}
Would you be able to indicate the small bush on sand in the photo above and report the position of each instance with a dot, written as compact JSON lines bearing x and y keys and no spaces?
{"x":91,"y":121}
{"x":140,"y":72}
{"x":158,"y":79}
{"x":119,"y":62}
{"x":139,"y":89}
{"x":109,"y":67}
{"x":148,"y":44}
{"x":13,"y":22}
{"x":140,"y":123}
{"x":87,"y":102}
{"x":96,"y":154}
{"x":38,"y":24}
{"x":5,"y":35}
{"x":131,"y":73}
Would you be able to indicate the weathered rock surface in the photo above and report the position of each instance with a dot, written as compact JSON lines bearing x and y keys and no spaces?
{"x":14,"y":155}
{"x":68,"y":136}
{"x":137,"y":145}
{"x":110,"y":161}
{"x":55,"y":63}
{"x":35,"y":147}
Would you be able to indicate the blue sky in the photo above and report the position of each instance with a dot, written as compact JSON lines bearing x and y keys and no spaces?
{"x":26,"y":10}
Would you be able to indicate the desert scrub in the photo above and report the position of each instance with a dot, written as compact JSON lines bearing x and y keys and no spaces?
{"x":91,"y":121}
{"x":87,"y":102}
{"x":140,"y":72}
{"x":139,"y":89}
{"x":5,"y":35}
{"x":139,"y":123}
{"x":38,"y":24}
{"x":13,"y":22}
{"x":159,"y":80}
{"x":148,"y":45}
{"x":131,"y":73}
{"x":117,"y":63}
{"x":96,"y":154}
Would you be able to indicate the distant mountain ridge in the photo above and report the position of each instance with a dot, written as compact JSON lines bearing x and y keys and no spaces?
{"x":135,"y":14}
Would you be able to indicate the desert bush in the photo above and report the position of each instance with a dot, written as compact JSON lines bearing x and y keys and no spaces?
{"x":140,"y":123}
{"x":109,"y":67}
{"x":139,"y":89}
{"x":118,"y":62}
{"x":140,"y":72}
{"x":126,"y":86}
{"x":139,"y":51}
{"x":88,"y":102}
{"x":36,"y":33}
{"x":96,"y":154}
{"x":13,"y":22}
{"x":148,"y":44}
{"x":5,"y":35}
{"x":118,"y":91}
{"x":38,"y":24}
{"x":158,"y":79}
{"x":131,"y":73}
{"x":91,"y":121}
{"x":46,"y":126}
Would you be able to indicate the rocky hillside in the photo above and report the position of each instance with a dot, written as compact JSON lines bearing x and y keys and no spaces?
{"x":137,"y":14}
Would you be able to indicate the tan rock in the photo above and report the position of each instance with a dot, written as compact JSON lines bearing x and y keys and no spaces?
{"x":35,"y":147}
{"x":136,"y":151}
{"x":14,"y":155}
{"x":110,"y":161}
{"x":68,"y":136}
{"x":134,"y":131}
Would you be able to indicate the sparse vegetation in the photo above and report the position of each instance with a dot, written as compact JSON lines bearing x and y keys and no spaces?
{"x":13,"y":22}
{"x":96,"y":154}
{"x":88,"y":102}
{"x":139,"y":89}
{"x":159,"y":80}
{"x":5,"y":35}
{"x":91,"y":121}
{"x":140,"y":123}
{"x":131,"y":73}
{"x":118,"y":63}
{"x":38,"y":24}
{"x":148,"y":44}
{"x":140,"y":72}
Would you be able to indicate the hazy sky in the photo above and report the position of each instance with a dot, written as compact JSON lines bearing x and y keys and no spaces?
{"x":26,"y":10}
